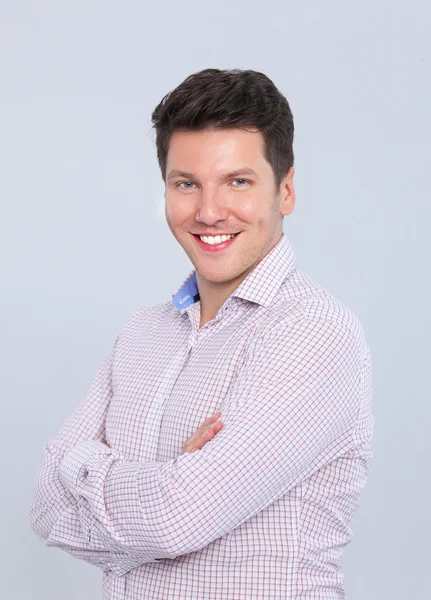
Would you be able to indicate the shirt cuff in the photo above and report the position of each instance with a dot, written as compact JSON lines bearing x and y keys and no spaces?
{"x":74,"y":466}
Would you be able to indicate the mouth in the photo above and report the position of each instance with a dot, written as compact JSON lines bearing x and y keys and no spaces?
{"x":208,"y":247}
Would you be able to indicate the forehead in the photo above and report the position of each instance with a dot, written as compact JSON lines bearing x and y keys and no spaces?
{"x":216,"y":149}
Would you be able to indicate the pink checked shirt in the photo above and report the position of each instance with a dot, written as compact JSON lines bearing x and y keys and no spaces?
{"x":263,"y":510}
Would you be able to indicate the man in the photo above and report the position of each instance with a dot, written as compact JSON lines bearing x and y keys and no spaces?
{"x":145,"y":479}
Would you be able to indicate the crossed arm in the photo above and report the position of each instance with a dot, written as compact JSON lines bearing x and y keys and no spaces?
{"x":296,"y":397}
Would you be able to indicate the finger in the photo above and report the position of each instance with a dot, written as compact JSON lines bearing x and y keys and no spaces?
{"x":202,"y":435}
{"x":210,"y":433}
{"x":201,"y":440}
{"x":207,"y":435}
{"x":207,"y":431}
{"x":218,"y":425}
{"x":197,"y":440}
{"x":211,"y":419}
{"x":213,"y":428}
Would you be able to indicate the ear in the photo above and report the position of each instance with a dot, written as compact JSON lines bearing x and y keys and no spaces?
{"x":287,"y":193}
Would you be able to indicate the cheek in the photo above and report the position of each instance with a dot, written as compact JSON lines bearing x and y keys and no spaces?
{"x":254,"y":205}
{"x":247,"y":208}
{"x":174,"y":212}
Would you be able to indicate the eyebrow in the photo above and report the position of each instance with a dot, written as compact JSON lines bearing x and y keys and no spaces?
{"x":244,"y":171}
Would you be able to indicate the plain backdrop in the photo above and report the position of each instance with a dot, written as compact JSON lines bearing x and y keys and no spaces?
{"x":84,"y":242}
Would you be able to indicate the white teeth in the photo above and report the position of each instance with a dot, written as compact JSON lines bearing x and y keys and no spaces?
{"x":218,"y":239}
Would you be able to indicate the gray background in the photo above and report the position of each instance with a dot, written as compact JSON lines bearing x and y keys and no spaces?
{"x":84,"y":242}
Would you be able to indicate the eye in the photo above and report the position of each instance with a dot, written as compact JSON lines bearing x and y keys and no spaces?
{"x":186,"y":187}
{"x":241,"y":180}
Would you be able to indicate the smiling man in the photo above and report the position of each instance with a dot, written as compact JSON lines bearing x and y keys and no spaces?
{"x":143,"y":480}
{"x":224,"y":187}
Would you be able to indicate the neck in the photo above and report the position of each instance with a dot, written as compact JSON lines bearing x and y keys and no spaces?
{"x":213,"y":295}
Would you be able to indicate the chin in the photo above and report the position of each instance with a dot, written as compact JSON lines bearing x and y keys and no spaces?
{"x":215,"y":278}
{"x":220,"y":277}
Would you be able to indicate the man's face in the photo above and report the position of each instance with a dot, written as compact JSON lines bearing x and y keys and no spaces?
{"x":219,"y":182}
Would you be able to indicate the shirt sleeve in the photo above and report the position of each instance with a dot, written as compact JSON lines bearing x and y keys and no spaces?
{"x":292,"y":409}
{"x":56,"y":515}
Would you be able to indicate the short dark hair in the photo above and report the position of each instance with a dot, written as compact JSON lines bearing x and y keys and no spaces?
{"x":226,"y":99}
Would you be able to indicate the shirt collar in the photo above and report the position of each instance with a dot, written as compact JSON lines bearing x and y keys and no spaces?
{"x":259,"y":286}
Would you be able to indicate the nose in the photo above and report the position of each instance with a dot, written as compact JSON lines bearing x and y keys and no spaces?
{"x":211,"y":207}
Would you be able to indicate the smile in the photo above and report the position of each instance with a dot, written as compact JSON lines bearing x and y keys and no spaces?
{"x":211,"y":245}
